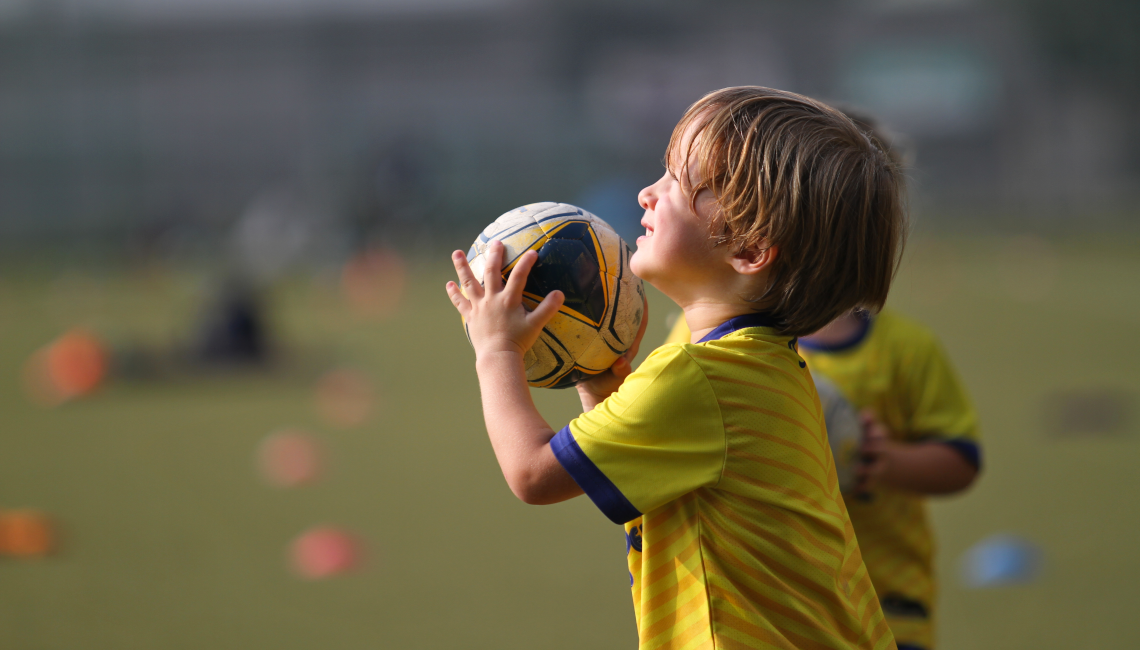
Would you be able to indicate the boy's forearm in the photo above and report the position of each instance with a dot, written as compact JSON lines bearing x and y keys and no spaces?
{"x":519,"y":434}
{"x":927,"y":468}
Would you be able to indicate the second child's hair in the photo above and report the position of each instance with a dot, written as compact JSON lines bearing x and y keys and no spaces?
{"x":793,"y":173}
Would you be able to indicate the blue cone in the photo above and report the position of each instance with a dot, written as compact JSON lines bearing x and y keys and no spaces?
{"x":1001,"y":560}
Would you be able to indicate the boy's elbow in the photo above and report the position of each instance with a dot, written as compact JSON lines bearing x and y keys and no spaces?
{"x":537,"y":489}
{"x":526,"y":487}
{"x":533,"y":494}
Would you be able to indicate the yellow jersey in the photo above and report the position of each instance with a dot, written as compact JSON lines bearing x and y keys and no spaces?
{"x":714,"y":456}
{"x":898,"y":369}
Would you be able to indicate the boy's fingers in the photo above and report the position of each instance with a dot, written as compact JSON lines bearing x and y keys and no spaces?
{"x":621,"y":368}
{"x":493,"y":271}
{"x":471,"y":286}
{"x":546,"y":309}
{"x":517,"y":281}
{"x":462,"y":304}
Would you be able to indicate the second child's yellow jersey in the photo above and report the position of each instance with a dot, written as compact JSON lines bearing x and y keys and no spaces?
{"x":714,"y":456}
{"x":897,"y":368}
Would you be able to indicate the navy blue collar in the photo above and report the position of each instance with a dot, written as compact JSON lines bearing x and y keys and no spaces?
{"x":760,"y":319}
{"x":856,"y":338}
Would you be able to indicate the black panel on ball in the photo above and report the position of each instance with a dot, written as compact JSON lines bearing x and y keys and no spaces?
{"x":572,"y":378}
{"x":568,"y":262}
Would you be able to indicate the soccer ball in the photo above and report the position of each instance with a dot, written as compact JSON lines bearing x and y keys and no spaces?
{"x":581,"y":256}
{"x":844,"y":432}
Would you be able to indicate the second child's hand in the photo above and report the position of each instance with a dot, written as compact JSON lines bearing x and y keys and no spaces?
{"x":873,"y":454}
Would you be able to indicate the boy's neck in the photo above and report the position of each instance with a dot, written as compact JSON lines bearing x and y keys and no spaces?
{"x":704,"y":317}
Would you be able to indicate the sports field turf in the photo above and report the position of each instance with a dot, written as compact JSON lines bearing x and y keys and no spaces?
{"x":169,"y":539}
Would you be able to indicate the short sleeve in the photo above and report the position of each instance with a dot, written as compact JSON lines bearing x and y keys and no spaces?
{"x":940,"y":407}
{"x":659,"y":437}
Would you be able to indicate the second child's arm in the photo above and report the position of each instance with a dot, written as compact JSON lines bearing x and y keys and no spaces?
{"x":501,"y":332}
{"x":927,"y":467}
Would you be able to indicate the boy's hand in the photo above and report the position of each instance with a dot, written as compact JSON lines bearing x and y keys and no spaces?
{"x":601,"y":386}
{"x":496,"y":319}
{"x":872,"y":452}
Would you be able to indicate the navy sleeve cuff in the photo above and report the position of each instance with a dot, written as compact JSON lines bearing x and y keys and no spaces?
{"x":968,"y":449}
{"x":593,"y":482}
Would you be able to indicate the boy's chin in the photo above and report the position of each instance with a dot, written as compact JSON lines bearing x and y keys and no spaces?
{"x":638,"y":268}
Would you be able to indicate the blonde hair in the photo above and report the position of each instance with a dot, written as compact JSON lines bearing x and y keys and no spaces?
{"x":795,"y":174}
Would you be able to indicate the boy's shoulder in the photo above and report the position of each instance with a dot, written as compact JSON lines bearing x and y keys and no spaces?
{"x":753,"y":355}
{"x":670,"y":368}
{"x":751,"y":346}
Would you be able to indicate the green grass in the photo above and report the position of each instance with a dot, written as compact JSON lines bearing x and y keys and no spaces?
{"x":170,"y":540}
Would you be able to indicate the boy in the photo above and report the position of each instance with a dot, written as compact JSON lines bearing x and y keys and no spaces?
{"x":920,"y":439}
{"x":775,"y":215}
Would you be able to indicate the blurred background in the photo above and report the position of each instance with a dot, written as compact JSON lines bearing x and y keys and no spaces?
{"x":239,"y":411}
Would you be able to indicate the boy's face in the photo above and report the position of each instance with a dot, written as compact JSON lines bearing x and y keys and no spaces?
{"x":677,"y":249}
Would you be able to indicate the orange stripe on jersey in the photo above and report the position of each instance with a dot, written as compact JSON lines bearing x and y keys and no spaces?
{"x":780,"y":440}
{"x":782,"y":578}
{"x":671,"y":591}
{"x":813,"y":412}
{"x":663,"y":544}
{"x":692,"y":633}
{"x":815,"y":434}
{"x":811,"y":503}
{"x":669,"y":569}
{"x":693,"y":605}
{"x":791,"y":469}
{"x":728,"y":643}
{"x":787,"y":625}
{"x":787,"y":520}
{"x":795,"y":642}
{"x":780,"y":541}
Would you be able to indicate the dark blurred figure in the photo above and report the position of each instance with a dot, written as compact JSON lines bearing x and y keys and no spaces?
{"x":233,"y":330}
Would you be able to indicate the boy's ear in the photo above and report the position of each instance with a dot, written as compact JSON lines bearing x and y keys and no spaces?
{"x":754,"y":260}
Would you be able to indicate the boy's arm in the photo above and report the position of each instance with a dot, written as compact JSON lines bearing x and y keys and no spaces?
{"x":519,"y":434}
{"x":501,"y":331}
{"x":928,"y":467}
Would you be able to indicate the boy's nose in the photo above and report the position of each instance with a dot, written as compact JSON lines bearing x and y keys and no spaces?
{"x":645,"y":198}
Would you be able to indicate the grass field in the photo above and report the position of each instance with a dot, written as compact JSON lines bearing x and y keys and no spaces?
{"x":170,"y":540}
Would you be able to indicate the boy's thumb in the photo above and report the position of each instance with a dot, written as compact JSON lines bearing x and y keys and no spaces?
{"x":621,"y":368}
